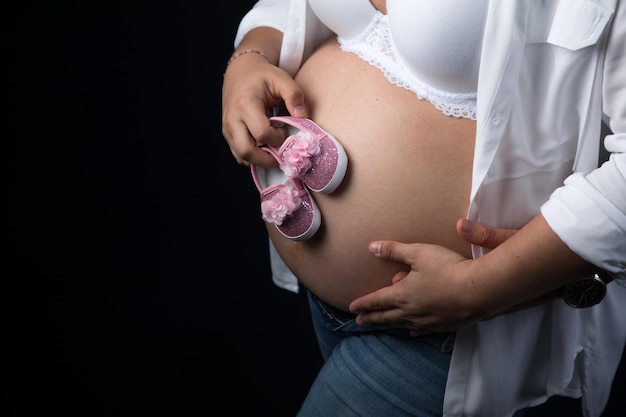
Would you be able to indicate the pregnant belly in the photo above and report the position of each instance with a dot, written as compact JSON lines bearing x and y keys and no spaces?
{"x":408,"y":179}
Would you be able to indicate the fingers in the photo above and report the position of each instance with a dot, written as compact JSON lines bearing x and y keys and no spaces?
{"x":244,"y":146}
{"x":251,"y":93}
{"x":399,"y":276}
{"x":285,"y":95}
{"x":392,"y":318}
{"x":382,"y":318}
{"x":482,"y":234}
{"x":382,"y":309}
{"x":378,"y":305}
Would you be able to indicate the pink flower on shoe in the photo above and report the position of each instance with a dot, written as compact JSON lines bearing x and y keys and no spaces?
{"x":296,"y":159}
{"x":283,"y":202}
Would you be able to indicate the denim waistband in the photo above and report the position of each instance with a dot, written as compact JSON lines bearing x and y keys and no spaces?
{"x":343,"y":322}
{"x":331,"y":312}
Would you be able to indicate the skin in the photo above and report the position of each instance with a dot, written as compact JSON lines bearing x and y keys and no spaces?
{"x":252,"y":86}
{"x":440,"y":290}
{"x":448,"y":292}
{"x":348,"y":97}
{"x":391,"y":298}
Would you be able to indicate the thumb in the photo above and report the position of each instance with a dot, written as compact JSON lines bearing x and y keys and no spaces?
{"x":294,"y":102}
{"x":389,"y":250}
{"x":297,"y":110}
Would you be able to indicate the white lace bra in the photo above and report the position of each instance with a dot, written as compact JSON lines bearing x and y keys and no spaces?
{"x":429,"y":47}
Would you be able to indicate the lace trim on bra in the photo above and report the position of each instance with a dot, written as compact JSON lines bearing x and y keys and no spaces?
{"x":374,"y":45}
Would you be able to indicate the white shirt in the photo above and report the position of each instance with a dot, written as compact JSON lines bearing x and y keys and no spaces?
{"x":546,"y":69}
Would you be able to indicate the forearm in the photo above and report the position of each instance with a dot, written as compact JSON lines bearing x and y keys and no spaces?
{"x":527,"y":266}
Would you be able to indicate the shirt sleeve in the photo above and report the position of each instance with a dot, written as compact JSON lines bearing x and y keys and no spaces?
{"x":270,"y":13}
{"x":589,"y":211}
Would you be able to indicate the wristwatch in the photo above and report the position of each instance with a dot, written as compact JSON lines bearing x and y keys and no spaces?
{"x":586,"y":292}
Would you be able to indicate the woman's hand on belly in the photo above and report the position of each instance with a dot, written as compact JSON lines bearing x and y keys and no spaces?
{"x":431,"y":297}
{"x":420,"y":296}
{"x":445,"y":291}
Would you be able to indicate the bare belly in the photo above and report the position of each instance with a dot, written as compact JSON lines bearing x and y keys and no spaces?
{"x":408,"y":177}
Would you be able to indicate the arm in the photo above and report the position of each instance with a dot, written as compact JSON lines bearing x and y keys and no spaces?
{"x":444,"y":291}
{"x":589,"y":212}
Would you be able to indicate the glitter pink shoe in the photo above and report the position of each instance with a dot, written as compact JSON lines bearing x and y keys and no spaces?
{"x":285,"y":202}
{"x":311,"y":155}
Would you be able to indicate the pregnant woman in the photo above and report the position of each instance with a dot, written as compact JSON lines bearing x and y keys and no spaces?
{"x":445,"y":110}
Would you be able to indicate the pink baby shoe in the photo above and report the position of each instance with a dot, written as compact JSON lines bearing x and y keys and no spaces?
{"x":312,"y":155}
{"x":285,"y":202}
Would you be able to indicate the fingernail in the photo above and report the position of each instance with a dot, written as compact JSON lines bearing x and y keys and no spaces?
{"x":299,"y":110}
{"x":467,"y":226}
{"x":375,"y":248}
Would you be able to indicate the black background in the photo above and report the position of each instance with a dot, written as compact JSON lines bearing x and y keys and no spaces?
{"x":136,"y":280}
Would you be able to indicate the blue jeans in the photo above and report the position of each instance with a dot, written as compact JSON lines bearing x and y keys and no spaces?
{"x":372,"y":372}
